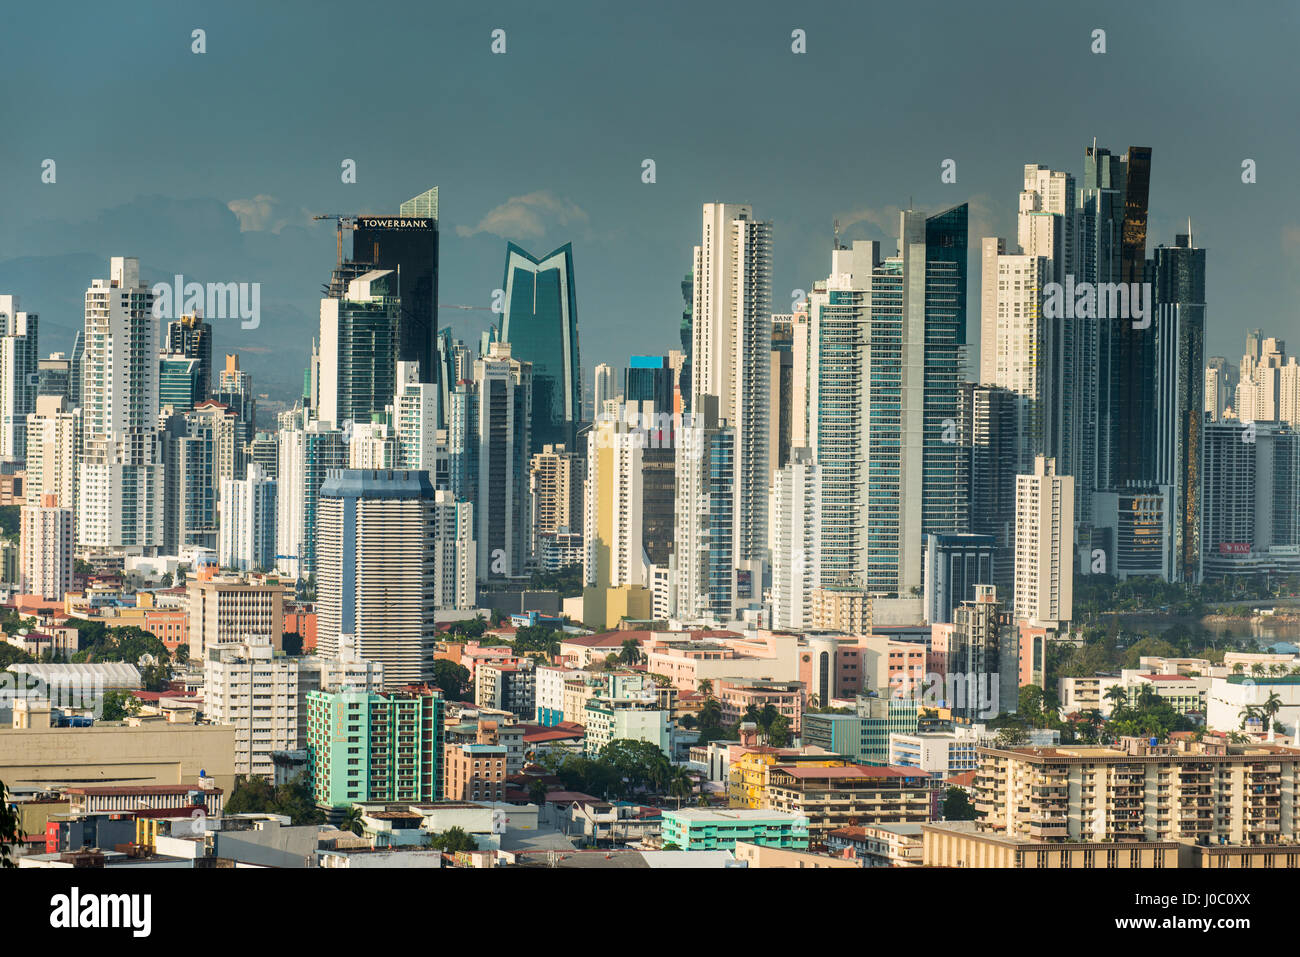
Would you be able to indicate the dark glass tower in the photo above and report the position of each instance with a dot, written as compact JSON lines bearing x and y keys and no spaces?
{"x":191,"y":337}
{"x":541,"y":325}
{"x":1179,"y":332}
{"x":649,"y":379}
{"x":408,"y":243}
{"x":1132,"y":358}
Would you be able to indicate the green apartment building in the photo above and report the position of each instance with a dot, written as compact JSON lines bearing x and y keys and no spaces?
{"x":704,"y":829}
{"x":863,"y":736}
{"x":374,"y":746}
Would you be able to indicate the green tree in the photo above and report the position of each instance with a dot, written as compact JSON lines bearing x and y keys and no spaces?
{"x":9,"y":835}
{"x":451,"y":679}
{"x":957,"y":805}
{"x":251,"y":795}
{"x":452,"y":840}
{"x":631,"y":652}
{"x":352,"y":820}
{"x":118,"y":705}
{"x":9,"y":655}
{"x":778,"y":732}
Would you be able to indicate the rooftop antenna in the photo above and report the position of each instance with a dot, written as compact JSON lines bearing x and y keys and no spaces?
{"x":1190,"y":244}
{"x":835,"y":226}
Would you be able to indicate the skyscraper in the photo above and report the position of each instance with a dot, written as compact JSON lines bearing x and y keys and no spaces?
{"x":488,"y":430}
{"x":19,"y":377}
{"x":191,"y":337}
{"x":53,"y":440}
{"x":247,"y":513}
{"x":359,"y":348}
{"x":540,"y":323}
{"x":1180,"y":400}
{"x":555,"y":484}
{"x":407,"y":244}
{"x":731,"y":354}
{"x":179,"y":383}
{"x":649,"y":379}
{"x":704,"y":548}
{"x":954,"y":566}
{"x":45,"y":558}
{"x":604,"y":389}
{"x":614,"y":567}
{"x":378,"y":570}
{"x":887,"y":354}
{"x":1044,"y":546}
{"x":796,"y":527}
{"x":989,"y":431}
{"x":1112,"y":228}
{"x":307,"y":454}
{"x":1250,"y":516}
{"x":120,"y":486}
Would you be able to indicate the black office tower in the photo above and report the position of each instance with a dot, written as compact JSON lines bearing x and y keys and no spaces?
{"x":408,"y":243}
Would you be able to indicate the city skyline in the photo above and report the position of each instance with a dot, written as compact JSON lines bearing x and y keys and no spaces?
{"x":250,"y":220}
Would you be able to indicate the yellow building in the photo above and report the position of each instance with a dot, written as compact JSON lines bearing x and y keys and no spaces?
{"x":968,"y":844}
{"x":747,"y":777}
{"x":757,"y":855}
{"x":156,"y":752}
{"x":616,"y":571}
{"x":1188,"y":791}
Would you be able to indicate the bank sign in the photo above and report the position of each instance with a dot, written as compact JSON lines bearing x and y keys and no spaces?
{"x":395,"y":222}
{"x":1234,"y":548}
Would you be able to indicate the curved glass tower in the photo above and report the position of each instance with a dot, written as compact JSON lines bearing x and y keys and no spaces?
{"x":541,"y":324}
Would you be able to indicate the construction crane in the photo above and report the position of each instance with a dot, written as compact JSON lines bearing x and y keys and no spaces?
{"x":344,"y":222}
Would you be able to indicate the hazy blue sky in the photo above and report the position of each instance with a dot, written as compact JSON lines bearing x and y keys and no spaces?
{"x":211,"y":165}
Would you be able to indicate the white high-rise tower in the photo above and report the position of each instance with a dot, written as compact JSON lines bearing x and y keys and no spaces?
{"x":120,"y":491}
{"x":731,"y":354}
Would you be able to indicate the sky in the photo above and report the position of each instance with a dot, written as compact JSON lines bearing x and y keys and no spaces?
{"x":211,"y":165}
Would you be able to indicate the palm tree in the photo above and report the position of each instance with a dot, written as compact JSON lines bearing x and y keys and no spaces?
{"x":681,"y":784}
{"x":704,"y":686}
{"x":1248,"y":714}
{"x":631,"y":653}
{"x":1269,"y":709}
{"x":352,"y":820}
{"x":711,"y":714}
{"x":1118,"y":699}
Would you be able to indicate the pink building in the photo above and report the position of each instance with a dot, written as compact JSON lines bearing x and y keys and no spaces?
{"x":736,"y":696}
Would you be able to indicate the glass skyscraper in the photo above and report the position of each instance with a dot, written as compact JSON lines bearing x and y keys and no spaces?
{"x":649,"y":379}
{"x":408,"y":244}
{"x":540,"y":323}
{"x":887,"y":363}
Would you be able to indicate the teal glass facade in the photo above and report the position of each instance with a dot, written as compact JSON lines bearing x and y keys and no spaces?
{"x":540,"y":323}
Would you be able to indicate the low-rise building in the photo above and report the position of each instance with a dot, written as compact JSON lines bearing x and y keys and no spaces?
{"x":969,"y":844}
{"x":878,"y":845}
{"x":836,"y":797}
{"x":700,"y":829}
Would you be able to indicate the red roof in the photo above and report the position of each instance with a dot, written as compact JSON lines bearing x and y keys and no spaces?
{"x":1166,"y":677}
{"x":803,"y":772}
{"x":964,"y":780}
{"x":553,"y":734}
{"x":140,"y":790}
{"x":608,"y":639}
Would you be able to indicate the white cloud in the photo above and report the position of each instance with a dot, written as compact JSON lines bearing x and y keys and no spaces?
{"x":263,"y":213}
{"x":526,"y":217}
